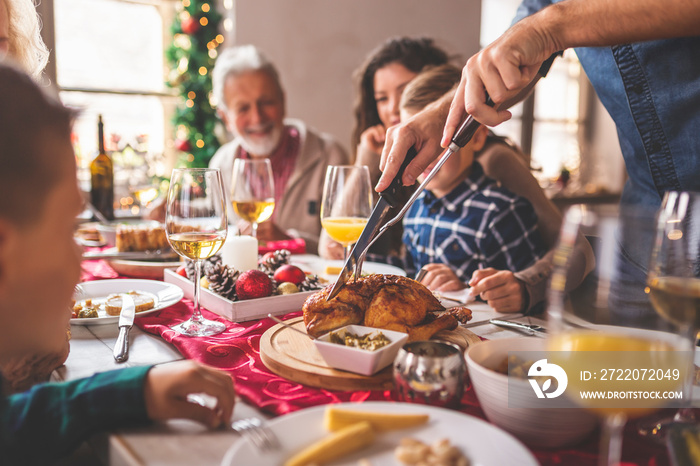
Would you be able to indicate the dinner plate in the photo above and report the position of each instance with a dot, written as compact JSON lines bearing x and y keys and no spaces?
{"x":481,"y":442}
{"x":152,"y":269}
{"x":318,"y":266}
{"x":163,"y":294}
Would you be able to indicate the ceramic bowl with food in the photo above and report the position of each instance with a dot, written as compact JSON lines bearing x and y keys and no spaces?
{"x":369,"y":360}
{"x":535,"y":426}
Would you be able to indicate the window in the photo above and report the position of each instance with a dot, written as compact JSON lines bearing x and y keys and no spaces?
{"x":546,"y":126}
{"x":109,"y":60}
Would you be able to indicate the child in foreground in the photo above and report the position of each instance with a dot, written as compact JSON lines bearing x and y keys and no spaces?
{"x":39,"y":268}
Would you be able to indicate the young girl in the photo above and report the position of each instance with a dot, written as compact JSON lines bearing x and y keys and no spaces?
{"x":380,"y":80}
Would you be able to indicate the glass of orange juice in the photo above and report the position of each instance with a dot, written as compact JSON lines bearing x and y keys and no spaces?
{"x":623,"y":360}
{"x":346,"y":204}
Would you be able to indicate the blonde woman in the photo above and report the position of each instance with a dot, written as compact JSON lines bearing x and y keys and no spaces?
{"x":20,"y":36}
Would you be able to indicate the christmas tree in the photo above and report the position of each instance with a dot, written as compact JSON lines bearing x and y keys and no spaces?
{"x":191,"y":57}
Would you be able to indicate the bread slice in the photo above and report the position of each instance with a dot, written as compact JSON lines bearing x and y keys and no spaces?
{"x":142,"y":302}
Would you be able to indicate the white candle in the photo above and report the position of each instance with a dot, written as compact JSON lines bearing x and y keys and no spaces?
{"x":240,"y":252}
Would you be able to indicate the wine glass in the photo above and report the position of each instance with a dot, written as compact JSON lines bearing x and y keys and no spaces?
{"x":616,"y":351}
{"x":196,"y":227}
{"x":674,"y":282}
{"x":253,"y":191}
{"x":346,"y":204}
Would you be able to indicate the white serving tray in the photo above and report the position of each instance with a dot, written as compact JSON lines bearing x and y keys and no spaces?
{"x":239,"y":311}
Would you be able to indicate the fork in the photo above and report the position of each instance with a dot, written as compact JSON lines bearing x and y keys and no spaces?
{"x":257,"y":432}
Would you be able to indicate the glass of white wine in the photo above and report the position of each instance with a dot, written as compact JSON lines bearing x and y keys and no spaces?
{"x":346,"y":204}
{"x":253,"y":191}
{"x":674,"y":282}
{"x":616,"y":351}
{"x":196,"y":226}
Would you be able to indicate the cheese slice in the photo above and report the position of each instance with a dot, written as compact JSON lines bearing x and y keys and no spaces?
{"x":339,"y":418}
{"x":335,"y":445}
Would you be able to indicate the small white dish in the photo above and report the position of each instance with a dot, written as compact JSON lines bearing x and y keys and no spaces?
{"x":360,"y":361}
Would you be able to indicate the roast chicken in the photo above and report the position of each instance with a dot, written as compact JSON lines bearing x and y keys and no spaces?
{"x":382,"y":301}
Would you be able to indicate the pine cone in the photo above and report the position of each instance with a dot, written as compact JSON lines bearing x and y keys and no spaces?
{"x":311,"y":283}
{"x":207,"y":265}
{"x":273,"y":261}
{"x":222,"y":280}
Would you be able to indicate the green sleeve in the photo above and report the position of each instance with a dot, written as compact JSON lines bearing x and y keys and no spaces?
{"x":51,"y":420}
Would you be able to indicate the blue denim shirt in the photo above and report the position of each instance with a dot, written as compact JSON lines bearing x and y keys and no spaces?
{"x":652,"y":91}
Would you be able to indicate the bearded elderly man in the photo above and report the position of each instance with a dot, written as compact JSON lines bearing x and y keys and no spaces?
{"x":251,"y":103}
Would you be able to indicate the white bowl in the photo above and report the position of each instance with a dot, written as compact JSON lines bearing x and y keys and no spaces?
{"x":109,"y":231}
{"x":535,"y":426}
{"x":358,"y":360}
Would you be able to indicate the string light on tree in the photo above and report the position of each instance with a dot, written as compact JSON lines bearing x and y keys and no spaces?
{"x":191,"y":57}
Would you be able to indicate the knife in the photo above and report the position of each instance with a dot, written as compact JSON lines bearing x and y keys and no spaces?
{"x":535,"y":330}
{"x":129,"y":255}
{"x":387,"y":198}
{"x":126,"y":320}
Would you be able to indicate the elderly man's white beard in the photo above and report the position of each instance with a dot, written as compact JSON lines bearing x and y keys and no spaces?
{"x":261,"y":146}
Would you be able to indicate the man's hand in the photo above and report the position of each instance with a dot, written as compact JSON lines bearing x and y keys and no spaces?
{"x":499,"y":288}
{"x":421,"y":131}
{"x":502,"y":69}
{"x":440,"y":277}
{"x":168,"y":385}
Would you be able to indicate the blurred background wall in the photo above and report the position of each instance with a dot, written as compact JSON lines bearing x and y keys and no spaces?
{"x":317,"y":44}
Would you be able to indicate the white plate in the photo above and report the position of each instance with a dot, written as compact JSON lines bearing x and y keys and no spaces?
{"x":483,"y":443}
{"x":317,"y":266}
{"x":143,"y":269}
{"x":163,"y":294}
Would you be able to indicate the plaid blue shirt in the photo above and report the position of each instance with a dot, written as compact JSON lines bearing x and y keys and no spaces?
{"x":475,"y":226}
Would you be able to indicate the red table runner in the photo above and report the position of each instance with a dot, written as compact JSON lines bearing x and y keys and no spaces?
{"x":237,"y":351}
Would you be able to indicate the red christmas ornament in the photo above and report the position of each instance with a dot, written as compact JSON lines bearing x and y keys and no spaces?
{"x":290,"y":273}
{"x":253,"y":284}
{"x":189,"y":25}
{"x":183,"y":145}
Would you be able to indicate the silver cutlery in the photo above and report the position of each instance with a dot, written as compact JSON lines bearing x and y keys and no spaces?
{"x":257,"y":432}
{"x":535,"y":330}
{"x":126,"y":320}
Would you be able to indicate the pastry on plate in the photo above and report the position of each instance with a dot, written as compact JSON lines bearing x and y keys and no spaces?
{"x":142,"y":302}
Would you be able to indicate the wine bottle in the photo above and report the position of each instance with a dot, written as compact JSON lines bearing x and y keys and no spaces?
{"x":102,"y":177}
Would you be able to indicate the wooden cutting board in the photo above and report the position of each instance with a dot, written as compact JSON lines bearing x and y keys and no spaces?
{"x":293,"y":356}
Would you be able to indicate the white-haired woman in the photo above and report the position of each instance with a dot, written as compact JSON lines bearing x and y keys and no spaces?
{"x":20,"y":36}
